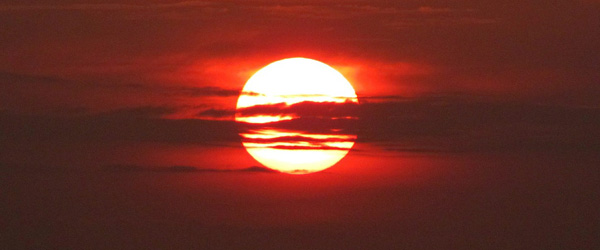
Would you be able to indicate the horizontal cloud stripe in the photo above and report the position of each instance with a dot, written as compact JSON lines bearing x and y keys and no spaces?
{"x":295,"y":139}
{"x":287,"y":147}
{"x":302,"y":109}
{"x":273,"y":133}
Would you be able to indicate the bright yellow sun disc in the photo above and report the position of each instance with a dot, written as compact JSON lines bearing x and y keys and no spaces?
{"x":284,"y":93}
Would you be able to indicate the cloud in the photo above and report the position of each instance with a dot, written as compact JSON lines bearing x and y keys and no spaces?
{"x":147,"y":112}
{"x":141,"y":124}
{"x":315,"y":11}
{"x":466,"y":124}
{"x":312,"y":147}
{"x":205,"y":91}
{"x":426,"y":124}
{"x":217,"y":114}
{"x":12,"y":78}
{"x":301,"y":141}
{"x":452,"y":123}
{"x":303,"y":109}
{"x":31,"y":94}
{"x":314,"y":126}
{"x":103,"y":6}
{"x":347,"y":11}
{"x":8,"y":80}
{"x":310,"y":125}
{"x":299,"y":138}
{"x":184,"y":169}
{"x":442,"y":124}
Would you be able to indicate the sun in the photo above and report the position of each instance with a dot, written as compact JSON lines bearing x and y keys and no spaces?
{"x":294,"y":116}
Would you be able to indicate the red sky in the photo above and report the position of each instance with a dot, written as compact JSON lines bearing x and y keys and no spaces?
{"x":170,"y":59}
{"x":145,"y":84}
{"x":100,"y":56}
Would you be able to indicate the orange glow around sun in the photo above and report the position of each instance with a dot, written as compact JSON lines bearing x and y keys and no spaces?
{"x":293,"y":115}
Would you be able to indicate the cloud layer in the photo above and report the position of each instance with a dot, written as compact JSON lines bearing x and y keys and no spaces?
{"x":431,"y":75}
{"x":430,"y":124}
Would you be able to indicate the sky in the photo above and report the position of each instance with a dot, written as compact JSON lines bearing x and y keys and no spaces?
{"x":527,"y":65}
{"x":447,"y":89}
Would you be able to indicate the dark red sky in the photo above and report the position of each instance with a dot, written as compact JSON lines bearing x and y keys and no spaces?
{"x":467,"y":108}
{"x":99,"y":56}
{"x":169,"y":59}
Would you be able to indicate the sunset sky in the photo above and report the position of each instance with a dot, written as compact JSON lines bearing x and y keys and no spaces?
{"x":478,"y":124}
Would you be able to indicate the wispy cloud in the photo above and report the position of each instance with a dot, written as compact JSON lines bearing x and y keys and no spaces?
{"x":303,"y":109}
{"x":436,"y":124}
{"x":315,"y":11}
{"x":218,"y":114}
{"x":141,"y":124}
{"x":103,"y":6}
{"x":69,"y":94}
{"x":8,"y":79}
{"x":467,"y":124}
{"x":184,"y":169}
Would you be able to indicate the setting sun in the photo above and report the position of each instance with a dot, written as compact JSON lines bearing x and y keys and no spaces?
{"x":285,"y":94}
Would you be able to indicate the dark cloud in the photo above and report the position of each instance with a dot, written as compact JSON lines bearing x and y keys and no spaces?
{"x":309,"y":117}
{"x":299,"y":147}
{"x":458,"y":124}
{"x":297,"y":142}
{"x":135,"y":125}
{"x":31,"y":93}
{"x":298,"y":138}
{"x":311,"y":125}
{"x":303,"y":109}
{"x":150,"y":112}
{"x":209,"y":91}
{"x":7,"y":78}
{"x":184,"y":169}
{"x":425,"y":125}
{"x":12,"y":81}
{"x":103,"y":6}
{"x":217,"y":114}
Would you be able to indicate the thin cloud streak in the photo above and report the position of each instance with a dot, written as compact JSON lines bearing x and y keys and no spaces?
{"x":303,"y":109}
{"x":315,"y":11}
{"x":299,"y":147}
{"x":8,"y":79}
{"x":183,"y":169}
{"x":104,"y":6}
